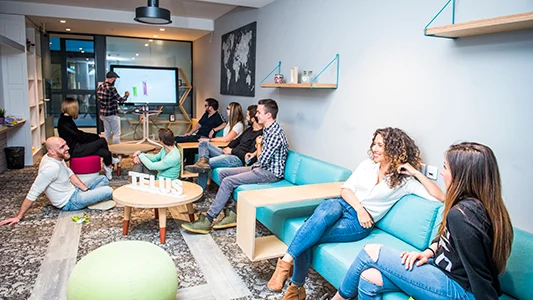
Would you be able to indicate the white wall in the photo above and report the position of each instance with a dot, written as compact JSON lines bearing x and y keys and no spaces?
{"x":440,"y":91}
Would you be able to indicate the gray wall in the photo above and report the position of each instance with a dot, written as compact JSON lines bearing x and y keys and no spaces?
{"x":440,"y":91}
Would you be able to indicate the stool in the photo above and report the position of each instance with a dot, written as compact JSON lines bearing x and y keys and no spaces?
{"x":86,"y":165}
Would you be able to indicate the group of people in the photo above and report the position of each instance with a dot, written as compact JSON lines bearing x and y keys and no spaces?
{"x":464,"y":260}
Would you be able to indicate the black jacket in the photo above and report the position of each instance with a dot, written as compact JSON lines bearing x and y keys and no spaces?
{"x":245,"y":143}
{"x":68,"y":130}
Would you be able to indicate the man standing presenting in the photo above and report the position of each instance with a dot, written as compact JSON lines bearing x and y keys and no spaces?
{"x":272,"y":151}
{"x":108,"y":97}
{"x":62,"y":187}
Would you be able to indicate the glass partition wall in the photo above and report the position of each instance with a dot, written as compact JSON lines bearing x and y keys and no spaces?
{"x":152,"y":53}
{"x":74,"y":75}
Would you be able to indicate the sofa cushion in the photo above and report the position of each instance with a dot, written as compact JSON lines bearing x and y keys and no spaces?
{"x":260,"y":186}
{"x":412,"y":220}
{"x":333,"y":260}
{"x":291,"y":166}
{"x":312,"y":170}
{"x":517,"y":280}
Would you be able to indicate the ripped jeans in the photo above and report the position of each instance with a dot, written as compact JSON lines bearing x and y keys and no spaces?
{"x":423,"y":282}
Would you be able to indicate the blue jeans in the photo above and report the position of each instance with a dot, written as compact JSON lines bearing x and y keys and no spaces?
{"x":423,"y":282}
{"x":217,"y":159}
{"x":334,"y":220}
{"x":231,"y":178}
{"x":99,"y":191}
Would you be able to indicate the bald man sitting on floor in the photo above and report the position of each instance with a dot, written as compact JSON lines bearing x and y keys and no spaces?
{"x":64,"y":189}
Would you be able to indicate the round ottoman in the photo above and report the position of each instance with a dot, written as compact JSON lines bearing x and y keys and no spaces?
{"x":124,"y":270}
{"x":86,"y":165}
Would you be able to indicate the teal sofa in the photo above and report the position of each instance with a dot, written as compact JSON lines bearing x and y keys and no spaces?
{"x":410,"y":225}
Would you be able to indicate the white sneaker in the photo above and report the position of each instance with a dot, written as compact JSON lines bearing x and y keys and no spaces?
{"x":115,"y":160}
{"x":104,"y":205}
{"x":108,"y":172}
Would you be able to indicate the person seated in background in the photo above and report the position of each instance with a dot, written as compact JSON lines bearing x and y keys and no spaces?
{"x":390,"y":172}
{"x":166,"y":163}
{"x":270,"y":166}
{"x":62,"y":187}
{"x":82,"y":143}
{"x":471,"y":247}
{"x":231,"y":156}
{"x":210,"y":123}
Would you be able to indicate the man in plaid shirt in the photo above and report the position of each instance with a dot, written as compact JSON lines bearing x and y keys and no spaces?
{"x":109,"y":98}
{"x":272,"y":151}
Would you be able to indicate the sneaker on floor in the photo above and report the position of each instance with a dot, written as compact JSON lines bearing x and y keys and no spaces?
{"x":229,"y":220}
{"x":202,"y":225}
{"x":108,"y":172}
{"x":104,"y":205}
{"x":115,"y":160}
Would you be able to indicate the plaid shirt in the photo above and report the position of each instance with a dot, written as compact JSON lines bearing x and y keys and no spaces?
{"x":108,"y":98}
{"x":275,"y":150}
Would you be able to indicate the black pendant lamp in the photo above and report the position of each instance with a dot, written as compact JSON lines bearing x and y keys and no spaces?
{"x":152,"y":14}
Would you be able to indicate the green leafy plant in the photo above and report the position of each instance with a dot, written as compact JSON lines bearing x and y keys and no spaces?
{"x":2,"y":112}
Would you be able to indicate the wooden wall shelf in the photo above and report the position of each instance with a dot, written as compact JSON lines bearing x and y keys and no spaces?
{"x":300,"y":85}
{"x":516,"y":22}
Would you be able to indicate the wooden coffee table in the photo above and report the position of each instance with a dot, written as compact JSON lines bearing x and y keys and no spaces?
{"x":143,"y":199}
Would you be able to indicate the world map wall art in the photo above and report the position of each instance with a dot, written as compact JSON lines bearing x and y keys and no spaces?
{"x":237,"y":71}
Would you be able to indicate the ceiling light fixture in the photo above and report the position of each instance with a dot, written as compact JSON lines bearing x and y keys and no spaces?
{"x":150,"y":41}
{"x":161,"y":29}
{"x":155,"y":35}
{"x":136,"y":54}
{"x":146,"y":45}
{"x":62,"y":21}
{"x":68,"y":29}
{"x":152,"y":14}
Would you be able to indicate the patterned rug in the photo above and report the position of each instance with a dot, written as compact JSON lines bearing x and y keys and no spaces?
{"x":23,"y":246}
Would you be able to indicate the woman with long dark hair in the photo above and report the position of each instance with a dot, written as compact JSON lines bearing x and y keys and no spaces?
{"x":471,"y":248}
{"x":374,"y":187}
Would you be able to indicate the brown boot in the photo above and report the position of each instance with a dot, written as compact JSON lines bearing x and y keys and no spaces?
{"x":294,"y":292}
{"x":201,"y":166}
{"x":279,"y":277}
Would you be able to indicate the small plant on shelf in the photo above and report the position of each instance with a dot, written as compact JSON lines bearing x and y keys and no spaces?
{"x":2,"y":115}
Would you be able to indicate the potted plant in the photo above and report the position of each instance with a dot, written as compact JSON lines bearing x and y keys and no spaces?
{"x":2,"y":116}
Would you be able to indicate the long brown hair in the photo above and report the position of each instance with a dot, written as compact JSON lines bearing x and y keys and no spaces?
{"x":399,"y":149}
{"x":70,"y":107}
{"x":235,"y":115}
{"x":475,"y":174}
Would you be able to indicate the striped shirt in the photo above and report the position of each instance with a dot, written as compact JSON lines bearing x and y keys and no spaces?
{"x":274,"y":151}
{"x":108,"y":97}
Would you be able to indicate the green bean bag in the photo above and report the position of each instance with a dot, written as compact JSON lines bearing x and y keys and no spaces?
{"x":124,"y":270}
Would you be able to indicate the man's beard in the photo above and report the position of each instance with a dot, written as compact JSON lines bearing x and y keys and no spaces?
{"x":64,"y":156}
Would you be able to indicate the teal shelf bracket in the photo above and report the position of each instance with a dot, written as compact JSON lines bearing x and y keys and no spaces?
{"x":278,"y":67}
{"x":337,"y":57}
{"x":435,"y":17}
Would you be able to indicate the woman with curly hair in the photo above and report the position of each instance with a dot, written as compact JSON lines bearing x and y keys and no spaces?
{"x":471,"y":248}
{"x":373,"y":188}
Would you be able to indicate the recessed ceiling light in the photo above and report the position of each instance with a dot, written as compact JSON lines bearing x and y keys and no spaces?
{"x":136,"y":54}
{"x":133,"y":58}
{"x":150,"y":41}
{"x":81,"y":48}
{"x":82,"y":51}
{"x":86,"y":59}
{"x":155,"y":35}
{"x":146,"y":45}
{"x":161,"y":29}
{"x":68,"y":29}
{"x":62,"y":21}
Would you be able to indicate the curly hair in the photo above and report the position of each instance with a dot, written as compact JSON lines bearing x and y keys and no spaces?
{"x":399,"y":149}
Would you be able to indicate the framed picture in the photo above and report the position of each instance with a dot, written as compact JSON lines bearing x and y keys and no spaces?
{"x":237,"y":68}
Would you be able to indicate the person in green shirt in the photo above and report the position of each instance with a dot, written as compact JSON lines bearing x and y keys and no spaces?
{"x":165,"y":164}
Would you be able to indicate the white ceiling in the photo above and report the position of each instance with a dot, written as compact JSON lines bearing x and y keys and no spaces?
{"x":191,"y":19}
